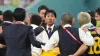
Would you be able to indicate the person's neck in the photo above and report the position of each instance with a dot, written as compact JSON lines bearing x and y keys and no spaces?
{"x":49,"y":25}
{"x":66,"y":24}
{"x":19,"y":22}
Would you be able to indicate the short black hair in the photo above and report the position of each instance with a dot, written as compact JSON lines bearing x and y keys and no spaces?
{"x":35,"y":19}
{"x":51,"y":11}
{"x":92,"y":13}
{"x":98,"y":11}
{"x":1,"y":13}
{"x":19,"y":14}
{"x":42,"y":7}
{"x":8,"y":16}
{"x":93,"y":20}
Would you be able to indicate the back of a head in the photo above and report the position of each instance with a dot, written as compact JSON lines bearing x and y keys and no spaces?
{"x":67,"y":18}
{"x":42,"y":7}
{"x":19,"y":14}
{"x":35,"y":19}
{"x":8,"y":16}
{"x":83,"y":18}
{"x":93,"y":20}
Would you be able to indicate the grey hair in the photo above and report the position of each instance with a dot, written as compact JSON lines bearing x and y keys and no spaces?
{"x":67,"y":18}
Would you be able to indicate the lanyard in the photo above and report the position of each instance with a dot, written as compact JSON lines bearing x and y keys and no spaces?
{"x":72,"y":36}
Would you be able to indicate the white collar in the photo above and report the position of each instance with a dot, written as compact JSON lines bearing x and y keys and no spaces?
{"x":67,"y":25}
{"x":7,"y":22}
{"x":34,"y":26}
{"x":50,"y":27}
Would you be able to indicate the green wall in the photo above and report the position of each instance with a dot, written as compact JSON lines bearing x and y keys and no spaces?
{"x":93,"y":4}
{"x":63,"y":6}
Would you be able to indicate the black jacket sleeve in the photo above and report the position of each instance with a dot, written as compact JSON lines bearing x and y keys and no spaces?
{"x":33,"y":40}
{"x":38,"y":30}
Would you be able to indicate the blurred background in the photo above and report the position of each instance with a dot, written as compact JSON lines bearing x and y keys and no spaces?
{"x":60,"y":6}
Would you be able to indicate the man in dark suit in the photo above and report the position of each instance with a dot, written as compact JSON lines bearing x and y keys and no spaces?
{"x":7,"y":20}
{"x":18,"y":37}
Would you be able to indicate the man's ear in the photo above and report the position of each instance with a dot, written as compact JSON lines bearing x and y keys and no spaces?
{"x":1,"y":29}
{"x":38,"y":14}
{"x":73,"y":22}
{"x":55,"y":20}
{"x":61,"y":22}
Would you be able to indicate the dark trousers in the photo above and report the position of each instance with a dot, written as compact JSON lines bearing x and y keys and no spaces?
{"x":2,"y":51}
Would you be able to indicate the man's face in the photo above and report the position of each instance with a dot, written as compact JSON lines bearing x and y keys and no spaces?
{"x":1,"y":17}
{"x":50,"y":18}
{"x":97,"y":16}
{"x":42,"y":13}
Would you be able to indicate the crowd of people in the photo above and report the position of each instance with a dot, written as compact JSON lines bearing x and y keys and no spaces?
{"x":38,"y":35}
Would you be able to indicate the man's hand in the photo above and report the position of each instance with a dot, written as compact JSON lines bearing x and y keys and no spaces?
{"x":80,"y":51}
{"x":98,"y":30}
{"x":71,"y":55}
{"x":2,"y":46}
{"x":85,"y":29}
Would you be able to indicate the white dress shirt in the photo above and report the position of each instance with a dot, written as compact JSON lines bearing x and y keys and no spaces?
{"x":35,"y":50}
{"x":50,"y":27}
{"x":45,"y":37}
{"x":42,"y":37}
{"x":34,"y":26}
{"x":86,"y":38}
{"x":7,"y":22}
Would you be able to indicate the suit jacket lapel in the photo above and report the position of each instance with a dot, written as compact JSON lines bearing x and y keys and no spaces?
{"x":54,"y":29}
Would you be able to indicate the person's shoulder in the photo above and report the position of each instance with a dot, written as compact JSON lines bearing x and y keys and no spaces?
{"x":34,"y":26}
{"x":18,"y":26}
{"x":29,"y":27}
{"x":74,"y":27}
{"x":24,"y":27}
{"x":58,"y":27}
{"x":44,"y":26}
{"x":6,"y":24}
